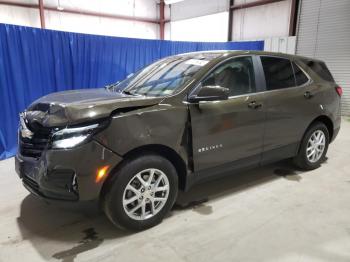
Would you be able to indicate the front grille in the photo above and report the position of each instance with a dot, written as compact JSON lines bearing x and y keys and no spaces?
{"x":34,"y":146}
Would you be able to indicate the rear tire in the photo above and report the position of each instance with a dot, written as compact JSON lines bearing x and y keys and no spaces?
{"x":134,"y":200}
{"x":313,"y":147}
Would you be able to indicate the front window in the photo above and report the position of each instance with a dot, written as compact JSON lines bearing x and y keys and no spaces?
{"x":237,"y":75}
{"x":164,"y":77}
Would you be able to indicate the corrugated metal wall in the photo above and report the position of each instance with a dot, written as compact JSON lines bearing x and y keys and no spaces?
{"x":324,"y":32}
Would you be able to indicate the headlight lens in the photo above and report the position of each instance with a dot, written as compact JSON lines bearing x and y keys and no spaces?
{"x":69,"y":142}
{"x":70,"y":137}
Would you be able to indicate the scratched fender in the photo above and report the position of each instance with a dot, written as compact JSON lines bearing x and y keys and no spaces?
{"x":155,"y":125}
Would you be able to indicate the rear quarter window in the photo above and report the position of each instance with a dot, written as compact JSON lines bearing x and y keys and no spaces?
{"x":300,"y":77}
{"x":320,"y":69}
{"x":278,"y":71}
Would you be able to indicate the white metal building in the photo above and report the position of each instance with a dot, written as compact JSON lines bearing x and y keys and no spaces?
{"x":324,"y":32}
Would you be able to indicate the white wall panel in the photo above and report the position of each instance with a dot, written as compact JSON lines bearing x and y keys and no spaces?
{"x":167,"y":31}
{"x":33,"y":2}
{"x":19,"y":16}
{"x":261,"y":21}
{"x":100,"y":25}
{"x":89,"y":24}
{"x":281,"y":44}
{"x":140,"y":8}
{"x":209,"y":28}
{"x":195,"y":8}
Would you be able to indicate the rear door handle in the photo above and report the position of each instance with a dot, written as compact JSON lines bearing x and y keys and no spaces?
{"x":254,"y":105}
{"x":308,"y":95}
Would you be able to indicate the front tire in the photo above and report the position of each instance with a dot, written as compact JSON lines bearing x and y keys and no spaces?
{"x":141,"y":193}
{"x":313,"y":147}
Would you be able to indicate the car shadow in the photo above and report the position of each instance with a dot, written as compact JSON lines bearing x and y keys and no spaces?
{"x":61,"y":233}
{"x":233,"y":183}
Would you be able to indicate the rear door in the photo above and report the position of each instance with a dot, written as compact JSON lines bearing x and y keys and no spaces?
{"x":289,"y":106}
{"x":229,"y":131}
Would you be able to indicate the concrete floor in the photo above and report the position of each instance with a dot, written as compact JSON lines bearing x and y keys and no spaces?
{"x":274,"y":213}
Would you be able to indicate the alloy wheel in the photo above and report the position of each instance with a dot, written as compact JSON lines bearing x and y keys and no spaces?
{"x":146,"y":194}
{"x":315,"y":146}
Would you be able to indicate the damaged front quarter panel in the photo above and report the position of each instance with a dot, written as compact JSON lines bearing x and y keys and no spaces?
{"x":161,"y":124}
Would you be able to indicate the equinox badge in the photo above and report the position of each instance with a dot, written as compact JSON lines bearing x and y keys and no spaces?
{"x":209,"y":148}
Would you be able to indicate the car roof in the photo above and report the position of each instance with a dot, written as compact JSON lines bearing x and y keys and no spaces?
{"x":228,"y":53}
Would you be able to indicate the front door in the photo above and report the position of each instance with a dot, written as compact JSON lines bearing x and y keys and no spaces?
{"x":230,"y":131}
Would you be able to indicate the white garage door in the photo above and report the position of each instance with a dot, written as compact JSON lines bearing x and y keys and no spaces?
{"x":324,"y":32}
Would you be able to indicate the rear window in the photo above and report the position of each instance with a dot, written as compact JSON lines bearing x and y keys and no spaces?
{"x":278,"y":72}
{"x":300,"y":76}
{"x":320,"y":69}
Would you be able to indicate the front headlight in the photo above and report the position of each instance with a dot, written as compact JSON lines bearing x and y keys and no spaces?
{"x":70,"y":137}
{"x":69,"y":142}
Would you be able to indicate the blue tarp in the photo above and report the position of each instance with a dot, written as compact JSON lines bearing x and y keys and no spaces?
{"x":35,"y":62}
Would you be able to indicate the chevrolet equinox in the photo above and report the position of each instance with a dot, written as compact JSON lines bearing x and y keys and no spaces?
{"x":130,"y":146}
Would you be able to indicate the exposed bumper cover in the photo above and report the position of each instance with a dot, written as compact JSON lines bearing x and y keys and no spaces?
{"x":68,"y":174}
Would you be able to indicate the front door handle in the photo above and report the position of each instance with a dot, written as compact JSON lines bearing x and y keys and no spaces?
{"x":254,"y":105}
{"x":308,"y":95}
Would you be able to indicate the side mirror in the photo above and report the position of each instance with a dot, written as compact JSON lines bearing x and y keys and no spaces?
{"x":210,"y":93}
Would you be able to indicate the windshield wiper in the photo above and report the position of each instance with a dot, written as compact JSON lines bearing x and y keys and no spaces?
{"x":127,"y":92}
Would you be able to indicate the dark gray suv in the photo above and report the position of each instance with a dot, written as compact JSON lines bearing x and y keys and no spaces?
{"x":178,"y":121}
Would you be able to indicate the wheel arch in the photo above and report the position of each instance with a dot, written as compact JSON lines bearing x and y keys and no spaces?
{"x":328,"y":123}
{"x":161,"y":150}
{"x":323,"y":119}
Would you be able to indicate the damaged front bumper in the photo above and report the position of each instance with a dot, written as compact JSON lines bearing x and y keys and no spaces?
{"x":66,"y":174}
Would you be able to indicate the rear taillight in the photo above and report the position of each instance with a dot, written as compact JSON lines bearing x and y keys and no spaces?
{"x":339,"y":90}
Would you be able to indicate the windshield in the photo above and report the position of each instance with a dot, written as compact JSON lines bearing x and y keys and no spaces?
{"x":162,"y":78}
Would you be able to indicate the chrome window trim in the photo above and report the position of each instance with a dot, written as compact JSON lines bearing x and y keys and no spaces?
{"x":216,"y":101}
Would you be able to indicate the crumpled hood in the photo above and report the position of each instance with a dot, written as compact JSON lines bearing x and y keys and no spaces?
{"x":77,"y":106}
